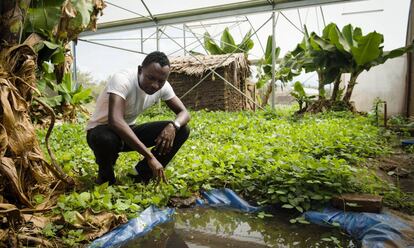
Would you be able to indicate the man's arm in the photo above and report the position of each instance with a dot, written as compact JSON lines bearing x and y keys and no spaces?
{"x":117,"y":123}
{"x":165,"y":139}
{"x":177,"y":106}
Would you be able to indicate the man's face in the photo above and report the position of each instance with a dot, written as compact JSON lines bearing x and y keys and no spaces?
{"x":152,"y":78}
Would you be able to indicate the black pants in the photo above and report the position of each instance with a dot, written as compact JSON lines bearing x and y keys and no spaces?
{"x":106,"y":145}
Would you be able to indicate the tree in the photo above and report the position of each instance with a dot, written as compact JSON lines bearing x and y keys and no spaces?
{"x":336,"y":53}
{"x":362,"y":51}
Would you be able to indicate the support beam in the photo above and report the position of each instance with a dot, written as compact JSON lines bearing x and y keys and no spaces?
{"x":273,"y":61}
{"x":74,"y":68}
{"x":409,"y":97}
{"x":212,"y":12}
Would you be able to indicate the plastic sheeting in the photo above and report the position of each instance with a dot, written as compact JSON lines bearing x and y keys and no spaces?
{"x":153,"y":216}
{"x":137,"y":227}
{"x":373,"y":230}
{"x":408,"y":142}
{"x":227,"y":198}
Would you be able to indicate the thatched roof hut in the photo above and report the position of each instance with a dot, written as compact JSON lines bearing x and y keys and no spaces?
{"x":213,"y":93}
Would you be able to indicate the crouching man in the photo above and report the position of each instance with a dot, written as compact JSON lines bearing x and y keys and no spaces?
{"x":112,"y":128}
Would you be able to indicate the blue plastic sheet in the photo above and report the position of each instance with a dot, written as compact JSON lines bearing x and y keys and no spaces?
{"x":227,"y":198}
{"x":408,"y":142}
{"x":373,"y":230}
{"x":137,"y":227}
{"x":153,"y":216}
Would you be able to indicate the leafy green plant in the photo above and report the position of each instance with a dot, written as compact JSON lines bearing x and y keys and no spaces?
{"x":266,"y":157}
{"x":227,"y":43}
{"x":66,"y":98}
{"x":50,"y":25}
{"x":283,"y":72}
{"x":300,"y":95}
{"x":337,"y":52}
{"x":65,"y":19}
{"x":74,"y":237}
{"x":269,"y":159}
{"x":316,"y":54}
{"x":362,"y":52}
{"x":264,"y":66}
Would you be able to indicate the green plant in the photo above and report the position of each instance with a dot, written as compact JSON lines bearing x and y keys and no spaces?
{"x":337,"y":52}
{"x":50,"y":230}
{"x":316,"y":54}
{"x":264,"y":66}
{"x":51,"y":25}
{"x":283,"y":72}
{"x":362,"y":52}
{"x":227,"y":43}
{"x":300,"y":95}
{"x":267,"y":157}
{"x":73,"y":238}
{"x":66,"y":98}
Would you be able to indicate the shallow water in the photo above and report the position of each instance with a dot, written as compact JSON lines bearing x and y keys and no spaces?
{"x":214,"y":228}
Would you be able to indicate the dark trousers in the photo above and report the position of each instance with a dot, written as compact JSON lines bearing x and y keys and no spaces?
{"x":106,"y":145}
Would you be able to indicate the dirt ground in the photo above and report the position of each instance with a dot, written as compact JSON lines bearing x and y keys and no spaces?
{"x":397,"y":168}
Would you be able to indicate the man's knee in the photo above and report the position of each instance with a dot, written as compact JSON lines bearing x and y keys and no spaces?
{"x":104,"y":140}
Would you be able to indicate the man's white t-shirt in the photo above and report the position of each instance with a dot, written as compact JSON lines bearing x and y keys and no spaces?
{"x":125,"y":84}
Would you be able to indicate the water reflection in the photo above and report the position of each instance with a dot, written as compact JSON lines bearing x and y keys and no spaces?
{"x":199,"y":228}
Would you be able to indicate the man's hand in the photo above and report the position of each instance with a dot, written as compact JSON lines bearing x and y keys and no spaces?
{"x":165,"y":140}
{"x":157,"y":169}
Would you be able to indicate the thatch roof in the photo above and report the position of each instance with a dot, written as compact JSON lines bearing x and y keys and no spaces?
{"x":199,"y":64}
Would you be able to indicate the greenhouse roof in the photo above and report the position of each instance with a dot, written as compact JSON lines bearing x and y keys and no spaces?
{"x":157,"y":12}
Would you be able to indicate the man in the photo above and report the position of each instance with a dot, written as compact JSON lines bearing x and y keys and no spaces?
{"x":111,"y":128}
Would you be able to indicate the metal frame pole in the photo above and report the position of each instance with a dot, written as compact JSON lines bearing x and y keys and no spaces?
{"x":114,"y":47}
{"x":158,"y":48}
{"x":185,"y":43}
{"x":142,"y":40}
{"x":198,"y":39}
{"x":273,"y":60}
{"x":75,"y":69}
{"x":158,"y":38}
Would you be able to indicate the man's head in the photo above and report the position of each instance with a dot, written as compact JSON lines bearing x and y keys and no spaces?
{"x":153,"y":72}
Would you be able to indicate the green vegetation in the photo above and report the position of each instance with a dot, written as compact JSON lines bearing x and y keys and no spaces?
{"x":337,"y":52}
{"x":50,"y":26}
{"x":268,"y":158}
{"x":227,"y":43}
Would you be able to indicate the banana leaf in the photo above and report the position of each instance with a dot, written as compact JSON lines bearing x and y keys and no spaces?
{"x":227,"y":42}
{"x":211,"y":46}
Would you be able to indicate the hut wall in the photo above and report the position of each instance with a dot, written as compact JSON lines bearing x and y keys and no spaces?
{"x":210,"y":94}
{"x":233,"y":99}
{"x":213,"y":93}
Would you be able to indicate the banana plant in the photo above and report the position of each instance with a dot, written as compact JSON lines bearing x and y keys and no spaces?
{"x":300,"y":95}
{"x":64,"y":18}
{"x":264,"y":71}
{"x":12,"y":19}
{"x":317,"y":54}
{"x":55,"y":23}
{"x":227,"y":43}
{"x":362,"y":52}
{"x":264,"y":66}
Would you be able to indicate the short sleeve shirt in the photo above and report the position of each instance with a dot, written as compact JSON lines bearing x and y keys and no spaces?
{"x":125,"y":84}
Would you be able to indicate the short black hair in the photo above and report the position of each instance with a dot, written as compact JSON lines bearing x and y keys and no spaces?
{"x":156,"y":57}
